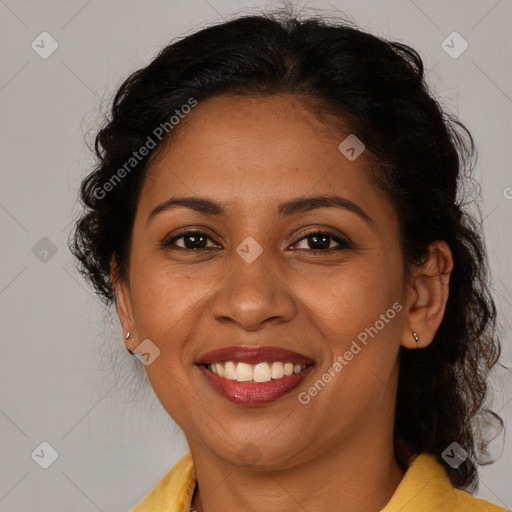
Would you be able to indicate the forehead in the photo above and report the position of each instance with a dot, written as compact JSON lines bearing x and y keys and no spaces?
{"x":255,"y":151}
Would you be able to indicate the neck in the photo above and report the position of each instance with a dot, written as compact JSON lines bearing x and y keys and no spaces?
{"x":362,"y":475}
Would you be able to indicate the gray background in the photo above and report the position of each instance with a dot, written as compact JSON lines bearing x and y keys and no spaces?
{"x":65,"y":376}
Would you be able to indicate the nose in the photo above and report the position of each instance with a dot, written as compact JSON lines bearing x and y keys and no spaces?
{"x":254,"y":294}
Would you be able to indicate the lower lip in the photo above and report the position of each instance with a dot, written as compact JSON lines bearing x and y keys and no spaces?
{"x":244,"y":393}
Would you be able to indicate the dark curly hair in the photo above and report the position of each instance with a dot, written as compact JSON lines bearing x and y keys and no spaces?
{"x":419,"y":154}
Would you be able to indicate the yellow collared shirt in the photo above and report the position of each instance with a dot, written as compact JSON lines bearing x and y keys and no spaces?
{"x":425,"y":487}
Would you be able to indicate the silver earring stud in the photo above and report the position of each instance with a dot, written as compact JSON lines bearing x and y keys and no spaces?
{"x":127,"y":335}
{"x":417,"y":339}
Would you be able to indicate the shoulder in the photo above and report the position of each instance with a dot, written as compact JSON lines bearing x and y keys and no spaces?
{"x":467,"y":502}
{"x":173,"y":493}
{"x":426,"y":487}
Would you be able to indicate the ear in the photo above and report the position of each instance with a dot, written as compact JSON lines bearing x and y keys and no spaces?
{"x":427,"y":296}
{"x":123,"y":304}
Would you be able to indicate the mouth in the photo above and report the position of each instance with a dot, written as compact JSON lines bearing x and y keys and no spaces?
{"x":254,"y":375}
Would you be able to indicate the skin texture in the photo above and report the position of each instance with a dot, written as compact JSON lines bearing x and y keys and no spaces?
{"x":252,"y":154}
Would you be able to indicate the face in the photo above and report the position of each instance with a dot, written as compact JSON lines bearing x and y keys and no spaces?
{"x":321,"y":280}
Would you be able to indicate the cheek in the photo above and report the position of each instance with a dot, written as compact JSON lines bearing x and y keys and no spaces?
{"x":352,"y":297}
{"x":359,"y":318}
{"x":165,"y":302}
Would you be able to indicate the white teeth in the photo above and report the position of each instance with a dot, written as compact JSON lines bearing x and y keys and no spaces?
{"x":261,"y":372}
{"x":277,"y":370}
{"x":230,"y":370}
{"x":243,"y":372}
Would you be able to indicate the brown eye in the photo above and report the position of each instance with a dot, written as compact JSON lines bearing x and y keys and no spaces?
{"x":321,"y":241}
{"x":192,"y":240}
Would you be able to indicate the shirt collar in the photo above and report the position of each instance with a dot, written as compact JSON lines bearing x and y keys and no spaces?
{"x":425,"y":487}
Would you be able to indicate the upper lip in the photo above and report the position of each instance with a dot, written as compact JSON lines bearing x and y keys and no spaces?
{"x":253,"y":355}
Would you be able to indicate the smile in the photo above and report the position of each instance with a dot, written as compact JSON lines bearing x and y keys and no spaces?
{"x":254,"y":375}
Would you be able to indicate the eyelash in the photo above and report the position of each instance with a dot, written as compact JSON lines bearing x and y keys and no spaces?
{"x":343,"y":244}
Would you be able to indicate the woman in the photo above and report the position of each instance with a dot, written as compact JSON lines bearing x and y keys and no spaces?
{"x":276,"y":214}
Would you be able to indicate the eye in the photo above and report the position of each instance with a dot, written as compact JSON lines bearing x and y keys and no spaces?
{"x":192,"y":240}
{"x":321,"y":241}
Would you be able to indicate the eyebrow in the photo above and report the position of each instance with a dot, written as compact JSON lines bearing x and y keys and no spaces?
{"x":288,"y":208}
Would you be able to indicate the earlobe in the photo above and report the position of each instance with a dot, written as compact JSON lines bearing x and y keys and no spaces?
{"x":428,"y":295}
{"x":123,"y":304}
